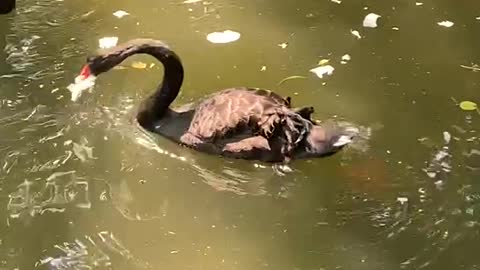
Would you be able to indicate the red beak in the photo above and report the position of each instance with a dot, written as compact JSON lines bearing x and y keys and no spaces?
{"x":85,"y":73}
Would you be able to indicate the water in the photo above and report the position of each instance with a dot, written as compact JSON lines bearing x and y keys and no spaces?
{"x":82,"y":187}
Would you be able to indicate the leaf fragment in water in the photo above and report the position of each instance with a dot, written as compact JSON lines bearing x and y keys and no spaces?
{"x":283,"y":45}
{"x":138,"y":65}
{"x":191,"y":1}
{"x":323,"y":70}
{"x":418,"y":4}
{"x":107,"y":42}
{"x":84,"y":15}
{"x":82,"y":151}
{"x":336,"y":1}
{"x":446,"y":23}
{"x":120,"y":13}
{"x":226,"y":36}
{"x":468,"y":105}
{"x":370,"y":20}
{"x":291,"y":78}
{"x":447,"y":137}
{"x":323,"y":62}
{"x":356,"y":33}
{"x":345,"y":59}
{"x":81,"y":84}
{"x":402,"y":200}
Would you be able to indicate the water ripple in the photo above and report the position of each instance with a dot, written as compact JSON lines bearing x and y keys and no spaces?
{"x":91,"y":252}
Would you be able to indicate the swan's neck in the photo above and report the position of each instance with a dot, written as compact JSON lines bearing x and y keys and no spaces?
{"x":154,"y":107}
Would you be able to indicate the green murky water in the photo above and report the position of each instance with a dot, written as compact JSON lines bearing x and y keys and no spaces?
{"x":81,"y":187}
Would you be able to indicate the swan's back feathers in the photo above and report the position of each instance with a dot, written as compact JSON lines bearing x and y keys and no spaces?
{"x":258,"y":111}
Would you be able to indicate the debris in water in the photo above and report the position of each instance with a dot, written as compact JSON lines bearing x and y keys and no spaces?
{"x":283,"y":45}
{"x":447,"y":137}
{"x":345,"y":59}
{"x":336,"y":1}
{"x":82,"y":151}
{"x":120,"y":13}
{"x":291,"y":78}
{"x":445,"y":23}
{"x":440,"y":164}
{"x":191,"y":1}
{"x":226,"y":36}
{"x":395,"y":28}
{"x":418,"y":4}
{"x":356,"y":33}
{"x":478,"y":18}
{"x":472,"y":68}
{"x":371,"y":20}
{"x":323,"y":62}
{"x":402,"y":200}
{"x":107,"y":42}
{"x":263,"y":68}
{"x":84,"y":15}
{"x":323,"y":70}
{"x":81,"y":84}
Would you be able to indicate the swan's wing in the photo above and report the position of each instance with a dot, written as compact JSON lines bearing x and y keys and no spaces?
{"x":235,"y":111}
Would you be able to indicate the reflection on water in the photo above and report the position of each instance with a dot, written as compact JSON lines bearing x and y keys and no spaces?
{"x":83,"y":187}
{"x":90,"y":253}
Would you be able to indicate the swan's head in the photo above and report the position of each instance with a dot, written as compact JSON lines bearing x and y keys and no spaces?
{"x":86,"y":79}
{"x":324,"y":140}
{"x":98,"y":64}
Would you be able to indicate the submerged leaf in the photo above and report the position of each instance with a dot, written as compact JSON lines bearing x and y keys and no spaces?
{"x":291,"y":78}
{"x":138,"y":65}
{"x":468,"y":105}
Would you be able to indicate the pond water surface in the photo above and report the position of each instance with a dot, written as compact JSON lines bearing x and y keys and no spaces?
{"x":82,"y":187}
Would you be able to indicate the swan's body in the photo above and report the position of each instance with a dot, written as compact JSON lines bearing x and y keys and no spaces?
{"x":239,"y":122}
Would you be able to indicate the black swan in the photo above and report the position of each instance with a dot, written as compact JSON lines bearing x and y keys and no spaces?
{"x":7,"y":6}
{"x":243,"y":123}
